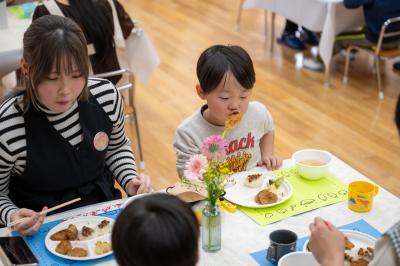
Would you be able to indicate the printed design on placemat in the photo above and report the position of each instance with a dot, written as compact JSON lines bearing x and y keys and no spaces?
{"x":307,"y":195}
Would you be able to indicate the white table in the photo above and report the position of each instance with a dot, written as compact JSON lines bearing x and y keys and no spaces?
{"x":329,"y":17}
{"x":241,"y":235}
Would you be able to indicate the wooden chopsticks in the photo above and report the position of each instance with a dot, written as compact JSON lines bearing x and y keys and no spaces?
{"x":44,"y":212}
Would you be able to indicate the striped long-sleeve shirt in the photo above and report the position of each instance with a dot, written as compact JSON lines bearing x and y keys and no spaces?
{"x":13,"y":151}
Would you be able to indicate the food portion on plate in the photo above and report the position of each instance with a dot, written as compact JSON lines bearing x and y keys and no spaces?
{"x":270,"y":194}
{"x":70,"y":233}
{"x":258,"y":189}
{"x":254,"y":180}
{"x":81,"y":238}
{"x":359,"y":249}
{"x":364,"y":254}
{"x":102,"y":247}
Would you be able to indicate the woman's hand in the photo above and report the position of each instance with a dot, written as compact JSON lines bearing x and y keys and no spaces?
{"x":326,"y":243}
{"x":139,"y":185}
{"x":31,"y":225}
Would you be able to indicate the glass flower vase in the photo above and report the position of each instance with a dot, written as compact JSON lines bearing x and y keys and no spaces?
{"x":211,"y":228}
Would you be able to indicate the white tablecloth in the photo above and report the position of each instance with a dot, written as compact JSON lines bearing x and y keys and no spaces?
{"x":241,"y":235}
{"x":327,"y":16}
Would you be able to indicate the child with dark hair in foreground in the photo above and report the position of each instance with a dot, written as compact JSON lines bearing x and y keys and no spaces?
{"x":158,"y":229}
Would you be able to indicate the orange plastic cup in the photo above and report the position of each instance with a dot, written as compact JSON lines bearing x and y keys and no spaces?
{"x":361,"y":195}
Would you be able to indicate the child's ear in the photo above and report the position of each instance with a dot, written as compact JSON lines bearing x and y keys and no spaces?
{"x":201,"y":92}
{"x":24,"y":66}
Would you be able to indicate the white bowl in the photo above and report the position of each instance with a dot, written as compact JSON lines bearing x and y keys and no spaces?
{"x":312,"y":172}
{"x":298,"y":259}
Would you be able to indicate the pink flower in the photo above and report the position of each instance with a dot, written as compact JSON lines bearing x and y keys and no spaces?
{"x":214,"y":148}
{"x":195,"y":167}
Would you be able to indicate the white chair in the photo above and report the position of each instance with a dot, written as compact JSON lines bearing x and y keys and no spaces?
{"x":377,"y":51}
{"x":130,"y":110}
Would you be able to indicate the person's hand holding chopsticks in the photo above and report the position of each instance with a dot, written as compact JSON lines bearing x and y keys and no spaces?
{"x":28,"y":222}
{"x":31,"y":223}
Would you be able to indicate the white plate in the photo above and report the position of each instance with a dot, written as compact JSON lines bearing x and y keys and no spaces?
{"x":360,"y":240}
{"x":89,"y":245}
{"x":243,"y":195}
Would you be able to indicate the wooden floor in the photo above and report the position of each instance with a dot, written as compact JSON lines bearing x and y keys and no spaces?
{"x":347,"y":120}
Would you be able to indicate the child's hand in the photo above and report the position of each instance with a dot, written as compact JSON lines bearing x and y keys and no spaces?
{"x":272,"y":162}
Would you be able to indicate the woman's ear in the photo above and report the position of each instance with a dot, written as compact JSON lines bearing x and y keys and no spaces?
{"x":24,"y":66}
{"x":201,"y":92}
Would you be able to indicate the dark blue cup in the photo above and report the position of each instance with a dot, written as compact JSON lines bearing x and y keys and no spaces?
{"x":282,"y":242}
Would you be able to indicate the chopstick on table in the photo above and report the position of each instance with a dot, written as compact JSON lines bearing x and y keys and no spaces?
{"x":45,"y":211}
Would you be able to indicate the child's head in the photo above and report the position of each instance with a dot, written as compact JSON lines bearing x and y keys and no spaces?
{"x":157,"y":229}
{"x":226,"y":77}
{"x":55,"y":63}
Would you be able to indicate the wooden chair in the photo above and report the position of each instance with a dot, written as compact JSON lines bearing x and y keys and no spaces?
{"x":377,"y":51}
{"x":130,"y":110}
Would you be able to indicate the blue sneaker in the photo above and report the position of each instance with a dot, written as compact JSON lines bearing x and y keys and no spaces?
{"x":291,"y":41}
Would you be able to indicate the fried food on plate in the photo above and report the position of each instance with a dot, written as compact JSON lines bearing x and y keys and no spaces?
{"x":77,"y":252}
{"x":359,"y":262}
{"x":102,"y":247}
{"x":71,"y":233}
{"x":347,"y":243}
{"x":87,"y":231}
{"x":266,"y":197}
{"x":63,"y":247}
{"x":103,"y":224}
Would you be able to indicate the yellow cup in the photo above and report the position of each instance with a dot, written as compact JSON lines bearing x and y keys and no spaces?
{"x":361,"y":195}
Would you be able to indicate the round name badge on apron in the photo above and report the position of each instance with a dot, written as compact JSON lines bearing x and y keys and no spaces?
{"x":100,"y":141}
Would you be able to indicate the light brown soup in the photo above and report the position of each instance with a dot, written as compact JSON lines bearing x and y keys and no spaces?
{"x":312,"y":162}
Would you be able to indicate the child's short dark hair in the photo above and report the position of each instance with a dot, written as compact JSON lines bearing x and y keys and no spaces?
{"x":217,"y":60}
{"x":157,"y":229}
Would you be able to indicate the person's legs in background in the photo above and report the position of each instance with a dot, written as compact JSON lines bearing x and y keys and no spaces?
{"x":289,"y":38}
{"x":295,"y":41}
{"x":310,"y":37}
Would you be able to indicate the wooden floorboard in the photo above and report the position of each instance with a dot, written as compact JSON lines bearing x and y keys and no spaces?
{"x":347,"y":120}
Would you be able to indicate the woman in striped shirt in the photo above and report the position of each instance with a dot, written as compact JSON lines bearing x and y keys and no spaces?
{"x":62,"y":137}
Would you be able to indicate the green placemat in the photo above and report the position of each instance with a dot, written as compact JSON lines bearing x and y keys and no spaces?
{"x":307,"y":195}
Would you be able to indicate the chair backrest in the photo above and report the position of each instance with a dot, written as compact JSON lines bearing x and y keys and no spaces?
{"x":120,"y":87}
{"x":384,"y":33}
{"x":125,"y":84}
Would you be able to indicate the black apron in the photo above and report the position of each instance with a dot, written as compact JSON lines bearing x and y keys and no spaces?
{"x":57,"y":172}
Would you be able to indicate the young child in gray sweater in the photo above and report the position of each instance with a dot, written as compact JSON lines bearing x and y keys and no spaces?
{"x":226,"y":78}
